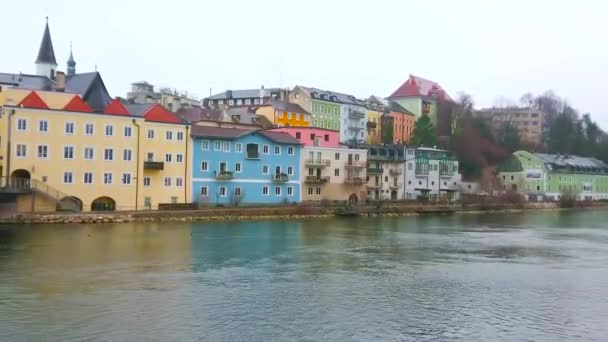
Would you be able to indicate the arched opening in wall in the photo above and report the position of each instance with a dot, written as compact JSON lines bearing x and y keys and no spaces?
{"x":21,"y":173}
{"x":353,"y":199}
{"x":103,"y":203}
{"x":394,"y":195}
{"x":69,"y":203}
{"x":19,"y":180}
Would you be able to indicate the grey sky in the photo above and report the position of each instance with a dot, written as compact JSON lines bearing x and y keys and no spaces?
{"x":486,"y":48}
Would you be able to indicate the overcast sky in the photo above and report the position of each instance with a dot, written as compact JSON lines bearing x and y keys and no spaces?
{"x":486,"y":48}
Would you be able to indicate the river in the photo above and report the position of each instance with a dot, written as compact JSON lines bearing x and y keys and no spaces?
{"x":511,"y":277}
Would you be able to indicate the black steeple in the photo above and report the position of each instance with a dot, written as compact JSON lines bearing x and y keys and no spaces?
{"x":46,"y":54}
{"x":71,"y":63}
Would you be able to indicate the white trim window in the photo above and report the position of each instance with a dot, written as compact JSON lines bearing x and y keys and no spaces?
{"x":217,"y":145}
{"x":168,"y":157}
{"x":265,"y":169}
{"x":108,"y":154}
{"x":167,"y":181}
{"x":43,"y":126}
{"x":21,"y":124}
{"x":266,"y":149}
{"x":277,"y":150}
{"x":21,"y":150}
{"x":147,"y":181}
{"x":179,"y":182}
{"x":68,"y":152}
{"x":222,"y":191}
{"x":68,"y":177}
{"x":265,"y":191}
{"x":128,"y":131}
{"x":89,"y":153}
{"x":169,"y":135}
{"x":179,"y":158}
{"x":109,"y":130}
{"x":237,"y":191}
{"x":107,"y":178}
{"x":89,"y":129}
{"x":290,"y":170}
{"x":277,"y":190}
{"x":87,"y":178}
{"x":238,"y":148}
{"x":150,"y":133}
{"x":204,"y":191}
{"x":290,"y":191}
{"x":180,"y":136}
{"x":226,"y":146}
{"x":69,"y":128}
{"x":204,"y":165}
{"x":126,"y":178}
{"x":127,"y":155}
{"x":205,"y":145}
{"x":237,"y":167}
{"x":290,"y":150}
{"x":43,"y":151}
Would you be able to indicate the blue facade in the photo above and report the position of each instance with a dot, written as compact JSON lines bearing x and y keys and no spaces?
{"x":249,"y":169}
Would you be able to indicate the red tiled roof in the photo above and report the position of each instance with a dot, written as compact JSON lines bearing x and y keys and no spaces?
{"x":116,"y":107}
{"x":420,"y":87}
{"x":159,"y":113}
{"x":32,"y":100}
{"x":76,"y":104}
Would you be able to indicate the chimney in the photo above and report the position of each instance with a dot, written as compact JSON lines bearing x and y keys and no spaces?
{"x":228,"y":94}
{"x":60,"y":81}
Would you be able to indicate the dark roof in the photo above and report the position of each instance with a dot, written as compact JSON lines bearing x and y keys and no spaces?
{"x":560,"y":160}
{"x":136,"y":109}
{"x":218,"y":132}
{"x":243,"y":93}
{"x":71,"y":61}
{"x":33,"y":82}
{"x":280,"y":137}
{"x":286,"y":106}
{"x":194,"y":114}
{"x":395,"y":107}
{"x":91,"y":88}
{"x":46,"y":54}
{"x":337,"y":97}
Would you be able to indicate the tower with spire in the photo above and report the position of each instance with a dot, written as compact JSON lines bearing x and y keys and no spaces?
{"x":71,"y":63}
{"x":46,"y":64}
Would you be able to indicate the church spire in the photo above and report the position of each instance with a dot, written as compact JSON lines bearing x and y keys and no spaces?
{"x":71,"y":63}
{"x":46,"y":62}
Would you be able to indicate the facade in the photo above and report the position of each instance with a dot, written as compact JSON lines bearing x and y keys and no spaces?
{"x":330,"y":171}
{"x":324,"y":106}
{"x":283,"y":114}
{"x":373,"y":126}
{"x":386,"y":172}
{"x":234,"y":166}
{"x":244,"y":97}
{"x":396,"y":122}
{"x":541,"y":176}
{"x":144,"y":93}
{"x":527,"y":121}
{"x":420,"y":96}
{"x":431,"y":174}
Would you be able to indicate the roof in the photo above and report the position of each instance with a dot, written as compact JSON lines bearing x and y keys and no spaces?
{"x":25,"y":81}
{"x":46,"y":54}
{"x":280,"y":137}
{"x":137,"y":109}
{"x":242,"y":93}
{"x":242,"y":115}
{"x":285,"y":106}
{"x":420,"y":87}
{"x":234,"y":133}
{"x":561,"y":160}
{"x":337,"y":97}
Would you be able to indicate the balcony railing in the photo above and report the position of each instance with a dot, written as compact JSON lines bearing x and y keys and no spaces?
{"x":316,"y":180}
{"x":355,"y":164}
{"x":224,"y":175}
{"x":375,"y":170}
{"x":355,"y":114}
{"x":374,"y":186}
{"x":354,"y":127}
{"x":317,"y":162}
{"x":280,"y":178}
{"x":395,"y":186}
{"x":253,"y":155}
{"x":154,"y":165}
{"x":395,"y":172}
{"x":371,"y":125}
{"x":354,"y":180}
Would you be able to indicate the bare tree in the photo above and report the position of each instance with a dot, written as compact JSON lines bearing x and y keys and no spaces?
{"x":527,"y":100}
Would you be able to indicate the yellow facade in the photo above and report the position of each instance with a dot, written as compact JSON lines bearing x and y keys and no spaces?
{"x":283,"y":118}
{"x":87,"y":156}
{"x":373,"y":127}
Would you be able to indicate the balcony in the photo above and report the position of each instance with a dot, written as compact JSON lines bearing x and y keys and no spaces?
{"x":354,"y":127}
{"x":355,"y":164}
{"x":395,"y":172}
{"x":375,"y":170}
{"x":280,"y":178}
{"x":253,"y":155}
{"x":154,"y":165}
{"x":354,"y":180}
{"x":224,"y":175}
{"x":316,"y":180}
{"x":374,"y":186}
{"x":371,"y":125}
{"x":356,"y":114}
{"x":317,"y":162}
{"x":395,"y":186}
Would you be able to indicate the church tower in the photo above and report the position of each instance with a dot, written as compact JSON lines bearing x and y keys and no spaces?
{"x":46,"y":65}
{"x":71,"y":63}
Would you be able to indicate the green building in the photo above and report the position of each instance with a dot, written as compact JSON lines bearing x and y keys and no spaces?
{"x":420,"y":96}
{"x":542,"y":176}
{"x":324,"y":106}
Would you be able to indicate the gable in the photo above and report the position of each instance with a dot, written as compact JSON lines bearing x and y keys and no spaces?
{"x":77,"y":105}
{"x":159,"y":113}
{"x":32,"y":100}
{"x":115,"y":107}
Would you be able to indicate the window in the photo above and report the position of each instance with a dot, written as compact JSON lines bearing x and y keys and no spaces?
{"x":179,"y":158}
{"x":356,"y":157}
{"x":223,"y":191}
{"x":43,"y":151}
{"x":290,"y":150}
{"x":180,"y":136}
{"x":109,"y":130}
{"x":88,"y":153}
{"x":289,"y":191}
{"x":277,"y":150}
{"x":237,"y":191}
{"x":226,"y":146}
{"x":126,"y":178}
{"x":21,"y":124}
{"x":277,"y":190}
{"x":43,"y":126}
{"x":88,"y":178}
{"x":238,"y":148}
{"x":290,"y":170}
{"x":169,"y":135}
{"x":265,"y":169}
{"x":126,"y":155}
{"x":68,"y":152}
{"x":237,"y":167}
{"x":179,"y":181}
{"x":108,"y":154}
{"x":409,"y":166}
{"x":204,"y":191}
{"x":265,"y":190}
{"x":89,"y":129}
{"x":298,"y":135}
{"x":310,"y":191}
{"x":512,"y":177}
{"x":150,"y":134}
{"x":337,"y":172}
{"x":69,"y":128}
{"x":265,"y":149}
{"x":168,"y":157}
{"x":204,"y":166}
{"x":318,"y":191}
{"x":107,"y":178}
{"x":326,"y":137}
{"x":337,"y":156}
{"x":67,"y":177}
{"x":127,"y":131}
{"x":146,"y":181}
{"x":217,"y":145}
{"x":167,"y":181}
{"x":148,"y":202}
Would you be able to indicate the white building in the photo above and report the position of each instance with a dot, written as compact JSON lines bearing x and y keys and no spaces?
{"x":431,"y":173}
{"x":386,"y":172}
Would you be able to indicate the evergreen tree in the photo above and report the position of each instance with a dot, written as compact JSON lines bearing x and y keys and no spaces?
{"x":424,"y":132}
{"x":509,"y":137}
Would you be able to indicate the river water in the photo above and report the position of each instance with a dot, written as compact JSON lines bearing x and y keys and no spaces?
{"x":517,"y":277}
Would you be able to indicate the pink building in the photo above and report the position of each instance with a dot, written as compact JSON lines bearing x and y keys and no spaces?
{"x":313,"y":136}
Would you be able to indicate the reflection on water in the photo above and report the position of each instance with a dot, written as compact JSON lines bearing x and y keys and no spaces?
{"x":537,"y":277}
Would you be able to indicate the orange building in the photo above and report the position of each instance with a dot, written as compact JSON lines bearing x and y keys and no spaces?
{"x":283,"y":114}
{"x":403,"y":123}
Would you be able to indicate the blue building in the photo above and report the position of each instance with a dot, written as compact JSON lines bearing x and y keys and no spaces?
{"x":233,"y":166}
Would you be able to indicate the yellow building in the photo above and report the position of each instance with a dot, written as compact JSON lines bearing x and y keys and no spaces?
{"x":56,"y":153}
{"x":283,"y":114}
{"x":373,"y":116}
